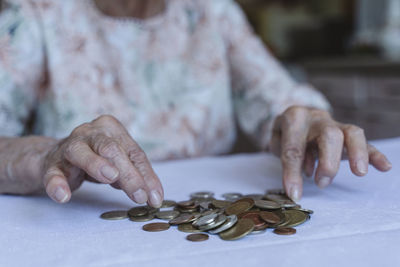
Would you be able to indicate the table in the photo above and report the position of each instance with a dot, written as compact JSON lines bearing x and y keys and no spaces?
{"x":356,"y":221}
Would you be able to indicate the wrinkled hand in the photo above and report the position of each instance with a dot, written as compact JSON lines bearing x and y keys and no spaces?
{"x":101,"y":151}
{"x":303,"y":135}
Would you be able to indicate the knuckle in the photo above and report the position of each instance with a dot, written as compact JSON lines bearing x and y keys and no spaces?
{"x":106,"y":119}
{"x":292,"y":154}
{"x":72,"y":148}
{"x":109,"y":149}
{"x":294,"y":112}
{"x":81,"y":130}
{"x":353,"y":129}
{"x":331,"y":132}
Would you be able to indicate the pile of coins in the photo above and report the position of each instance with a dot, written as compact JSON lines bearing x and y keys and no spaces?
{"x":232,"y":218}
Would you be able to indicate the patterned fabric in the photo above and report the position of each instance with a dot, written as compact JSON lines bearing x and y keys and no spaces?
{"x":178,"y":81}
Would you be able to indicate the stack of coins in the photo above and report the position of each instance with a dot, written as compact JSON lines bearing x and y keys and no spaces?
{"x":232,"y":218}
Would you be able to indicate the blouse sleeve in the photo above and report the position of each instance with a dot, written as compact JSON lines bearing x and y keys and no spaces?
{"x":21,"y":66}
{"x":262,"y":89}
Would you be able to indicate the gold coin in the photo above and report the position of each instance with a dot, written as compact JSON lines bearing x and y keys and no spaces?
{"x":115,"y":215}
{"x":295,"y":218}
{"x":138,"y":211}
{"x":145,"y":218}
{"x":155,"y":227}
{"x":220,"y":204}
{"x":167,"y":214}
{"x":267,"y":204}
{"x":237,"y":208}
{"x":168,"y":204}
{"x":242,"y":228}
{"x":188,"y":228}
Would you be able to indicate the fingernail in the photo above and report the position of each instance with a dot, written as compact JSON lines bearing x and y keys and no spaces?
{"x":110,"y":173}
{"x":362,"y":167}
{"x":388,"y":164}
{"x":155,"y":198}
{"x":324,"y":182}
{"x":140,"y":196}
{"x":60,"y":195}
{"x":295,"y":194}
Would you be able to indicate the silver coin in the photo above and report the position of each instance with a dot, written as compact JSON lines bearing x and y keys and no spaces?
{"x":205,"y":194}
{"x":232,"y":196}
{"x":229,"y":223}
{"x":218,"y":222}
{"x":205,"y":220}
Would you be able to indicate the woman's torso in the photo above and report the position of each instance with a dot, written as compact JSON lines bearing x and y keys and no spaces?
{"x":166,"y":78}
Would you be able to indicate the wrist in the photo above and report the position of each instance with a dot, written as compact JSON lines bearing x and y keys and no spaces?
{"x":26,"y":164}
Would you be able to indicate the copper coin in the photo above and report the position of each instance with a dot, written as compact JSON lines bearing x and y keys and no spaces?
{"x":261,"y":227}
{"x":285,"y":231}
{"x":270,"y":217}
{"x":183,"y":218}
{"x":255,"y":217}
{"x":156,"y":227}
{"x":197,"y":237}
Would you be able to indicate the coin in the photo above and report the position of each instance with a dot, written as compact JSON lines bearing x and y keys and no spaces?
{"x":197,"y":237}
{"x":114,"y":215}
{"x":254,"y":196}
{"x":261,"y":227}
{"x":168,"y":204}
{"x":220,"y":204}
{"x":295,"y":217}
{"x":188,"y":228}
{"x":305,"y":210}
{"x":270,"y":217}
{"x":276,"y":197}
{"x":242,"y":228}
{"x":285,"y":231}
{"x":187,"y":203}
{"x":138,"y":211}
{"x":156,"y":227}
{"x":205,"y":194}
{"x":266,"y":204}
{"x":230,"y":222}
{"x":257,"y":232}
{"x":167,"y":214}
{"x":144,"y":218}
{"x":183,"y":218}
{"x":255,"y":217}
{"x":204,"y":220}
{"x":246,"y":199}
{"x":216,"y":223}
{"x":232,"y":196}
{"x":278,"y":191}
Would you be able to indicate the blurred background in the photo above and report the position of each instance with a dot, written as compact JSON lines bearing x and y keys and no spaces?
{"x":347,"y":49}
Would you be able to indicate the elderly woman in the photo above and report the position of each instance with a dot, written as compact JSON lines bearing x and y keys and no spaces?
{"x":99,"y":87}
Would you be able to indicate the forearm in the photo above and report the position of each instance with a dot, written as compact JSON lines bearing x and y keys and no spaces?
{"x":21,"y":163}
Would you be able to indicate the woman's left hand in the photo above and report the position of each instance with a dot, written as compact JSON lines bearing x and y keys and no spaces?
{"x":302,"y":135}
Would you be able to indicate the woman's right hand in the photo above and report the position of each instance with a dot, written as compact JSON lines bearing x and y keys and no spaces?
{"x":101,"y":151}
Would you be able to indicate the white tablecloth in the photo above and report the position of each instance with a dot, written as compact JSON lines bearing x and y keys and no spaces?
{"x":356,"y":221}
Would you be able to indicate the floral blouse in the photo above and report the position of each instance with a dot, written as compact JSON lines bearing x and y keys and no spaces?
{"x":180,"y":81}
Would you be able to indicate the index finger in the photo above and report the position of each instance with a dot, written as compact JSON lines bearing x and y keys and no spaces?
{"x":294,"y":138}
{"x":141,"y":162}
